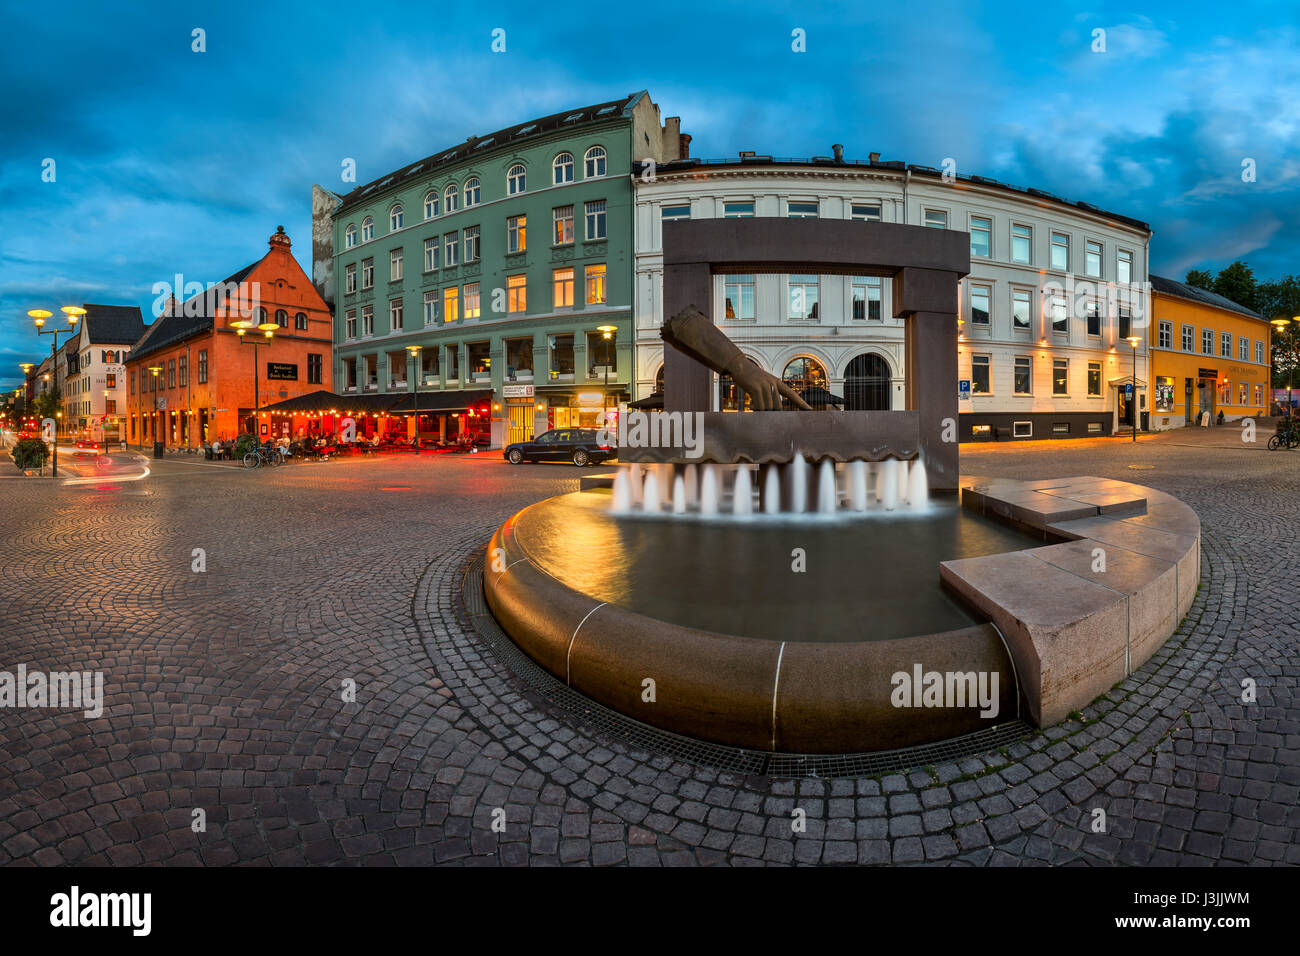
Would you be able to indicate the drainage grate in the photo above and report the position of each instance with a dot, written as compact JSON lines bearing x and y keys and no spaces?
{"x":644,"y":737}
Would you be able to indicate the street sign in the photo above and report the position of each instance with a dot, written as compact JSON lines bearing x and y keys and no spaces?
{"x":1128,"y":390}
{"x":963,"y":390}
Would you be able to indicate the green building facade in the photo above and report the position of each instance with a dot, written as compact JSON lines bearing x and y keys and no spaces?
{"x":508,"y":260}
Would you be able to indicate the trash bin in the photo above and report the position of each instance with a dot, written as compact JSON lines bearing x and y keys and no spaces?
{"x":1146,"y":421}
{"x":157,"y":449}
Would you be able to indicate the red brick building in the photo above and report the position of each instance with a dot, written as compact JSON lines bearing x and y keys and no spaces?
{"x":192,"y":378}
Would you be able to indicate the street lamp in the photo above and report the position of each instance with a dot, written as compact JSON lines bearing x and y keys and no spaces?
{"x":155,"y":371}
{"x":1280,"y":323}
{"x":414,"y":353}
{"x":74,"y":314}
{"x":607,"y":333}
{"x":1132,"y":408}
{"x":267,"y":325}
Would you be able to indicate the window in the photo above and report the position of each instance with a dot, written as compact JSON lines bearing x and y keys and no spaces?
{"x":1022,"y":429}
{"x":1125,"y":323}
{"x":451,"y":198}
{"x":395,"y":315}
{"x":1094,"y":319}
{"x":395,"y":265}
{"x":182,"y":373}
{"x":803,"y":296}
{"x":450,"y":304}
{"x":1242,"y":395}
{"x":560,"y":351}
{"x":314,"y":368}
{"x":562,"y":169}
{"x":866,"y":297}
{"x":350,"y":236}
{"x":738,"y":297}
{"x":979,"y":374}
{"x":451,"y":249}
{"x":1060,"y":376}
{"x":979,"y":304}
{"x":1024,"y":375}
{"x":1207,"y":342}
{"x":517,"y":293}
{"x":1092,"y":258}
{"x":516,"y":179}
{"x":430,"y":204}
{"x":803,"y":373}
{"x":1022,"y":238}
{"x":802,"y":210}
{"x":1259,"y":394}
{"x":1259,"y":353}
{"x":350,"y":278}
{"x":936,"y":219}
{"x":1164,"y":393}
{"x":171,"y":373}
{"x":480,"y":359}
{"x":350,"y":324}
{"x":737,"y":210}
{"x":595,"y":162}
{"x":1060,"y":314}
{"x":261,"y":316}
{"x":367,"y":320}
{"x":1061,"y":251}
{"x":282,"y":318}
{"x":1094,"y":428}
{"x":473,"y":192}
{"x":1225,"y":393}
{"x":300,"y":321}
{"x":1020,"y":310}
{"x":429,"y":364}
{"x":110,"y":406}
{"x":395,"y":218}
{"x":595,"y":212}
{"x":1060,"y":428}
{"x":1243,"y":350}
{"x":1094,"y":379}
{"x":1189,"y":338}
{"x":562,"y":292}
{"x":471,"y":243}
{"x":674,"y":212}
{"x":981,"y":236}
{"x":563,"y":216}
{"x":1225,"y":344}
{"x":203,"y":366}
{"x":519,"y":358}
{"x":1124,"y":266}
{"x":367,"y":273}
{"x":981,"y":431}
{"x":867,"y":211}
{"x":430,"y":307}
{"x":431,"y":254}
{"x":372,"y":371}
{"x":596,"y":284}
{"x":516,"y":234}
{"x":1165,"y":334}
{"x":472,"y":300}
{"x":367,"y":229}
{"x":453,"y":363}
{"x":602,"y":353}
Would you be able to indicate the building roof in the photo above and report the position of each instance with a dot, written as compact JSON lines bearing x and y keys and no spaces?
{"x":1184,"y":291}
{"x":167,"y":330}
{"x":112,"y":324}
{"x":750,"y":161}
{"x":478,"y":145}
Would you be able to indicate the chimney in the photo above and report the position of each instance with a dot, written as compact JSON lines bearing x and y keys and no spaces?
{"x":873,"y":157}
{"x":838,"y":150}
{"x":170,"y":308}
{"x":684,"y":147}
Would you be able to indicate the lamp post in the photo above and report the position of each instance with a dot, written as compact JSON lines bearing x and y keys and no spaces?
{"x":1132,"y":408}
{"x":74,"y":314}
{"x":1280,"y":323}
{"x":265,"y":324}
{"x":607,"y":333}
{"x":414,"y":353}
{"x":155,"y":371}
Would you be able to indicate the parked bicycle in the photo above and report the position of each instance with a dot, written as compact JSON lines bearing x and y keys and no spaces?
{"x":262,"y":455}
{"x":1288,"y":434}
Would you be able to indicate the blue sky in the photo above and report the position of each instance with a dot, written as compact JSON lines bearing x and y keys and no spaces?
{"x":174,"y":161}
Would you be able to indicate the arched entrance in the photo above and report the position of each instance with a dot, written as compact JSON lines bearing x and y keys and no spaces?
{"x":867,"y":384}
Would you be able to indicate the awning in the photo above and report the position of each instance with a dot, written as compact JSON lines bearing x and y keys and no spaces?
{"x":325,"y":403}
{"x":1127,"y":380}
{"x":442,"y":401}
{"x":653,"y":400}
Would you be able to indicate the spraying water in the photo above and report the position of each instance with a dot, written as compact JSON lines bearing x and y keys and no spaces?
{"x":772,"y":491}
{"x":798,"y":470}
{"x":888,"y":483}
{"x":622,"y":492}
{"x":679,"y":495}
{"x":918,"y":486}
{"x":855,"y":485}
{"x":827,"y":500}
{"x":743,"y":498}
{"x":709,"y":490}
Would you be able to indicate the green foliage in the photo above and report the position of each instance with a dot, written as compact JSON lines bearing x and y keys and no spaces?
{"x":243,"y":445}
{"x":1201,"y":279}
{"x":1237,"y":282}
{"x":48,"y":403}
{"x":30,"y":453}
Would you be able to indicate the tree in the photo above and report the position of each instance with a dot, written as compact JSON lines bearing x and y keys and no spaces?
{"x":1278,"y":298}
{"x":1237,"y":282}
{"x":1200,"y":279}
{"x":48,"y":403}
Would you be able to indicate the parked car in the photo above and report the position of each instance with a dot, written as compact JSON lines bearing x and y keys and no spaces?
{"x":578,"y":445}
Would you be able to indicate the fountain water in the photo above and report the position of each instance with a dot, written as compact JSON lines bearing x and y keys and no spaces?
{"x":827,"y":499}
{"x":692,"y":473}
{"x":709,"y":491}
{"x":855,"y":485}
{"x":798,"y":484}
{"x":622,"y":491}
{"x":887,"y":483}
{"x":679,"y":495}
{"x":650,"y":496}
{"x":743,"y":498}
{"x":918,"y":486}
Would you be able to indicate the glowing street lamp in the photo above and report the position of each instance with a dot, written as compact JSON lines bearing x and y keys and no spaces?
{"x":39,"y":316}
{"x":1132,"y":408}
{"x":607,"y":333}
{"x":414,"y":352}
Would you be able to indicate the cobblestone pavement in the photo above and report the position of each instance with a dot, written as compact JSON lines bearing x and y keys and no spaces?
{"x":223,"y":692}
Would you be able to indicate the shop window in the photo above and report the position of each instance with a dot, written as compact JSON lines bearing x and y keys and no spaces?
{"x":1022,"y":429}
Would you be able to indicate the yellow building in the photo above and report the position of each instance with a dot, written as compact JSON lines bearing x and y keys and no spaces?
{"x":1208,"y":354}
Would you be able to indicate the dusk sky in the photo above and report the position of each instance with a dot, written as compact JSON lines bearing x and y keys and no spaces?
{"x":174,"y":161}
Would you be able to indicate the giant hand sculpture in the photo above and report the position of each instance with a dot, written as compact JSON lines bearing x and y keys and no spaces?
{"x":691,"y":332}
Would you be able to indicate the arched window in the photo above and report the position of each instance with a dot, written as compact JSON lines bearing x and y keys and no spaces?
{"x":451,"y":197}
{"x":282,"y":318}
{"x":473,"y":192}
{"x":595,"y":158}
{"x":367,"y":229}
{"x":659,"y":379}
{"x":300,"y":321}
{"x":515,"y":180}
{"x":867,"y":384}
{"x":805,"y":374}
{"x":395,"y":218}
{"x":431,"y":204}
{"x":563,"y":167}
{"x":261,"y":315}
{"x":350,"y":236}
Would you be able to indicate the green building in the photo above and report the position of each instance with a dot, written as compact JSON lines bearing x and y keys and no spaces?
{"x":508,"y":261}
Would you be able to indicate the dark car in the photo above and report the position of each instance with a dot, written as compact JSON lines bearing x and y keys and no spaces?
{"x":578,"y":445}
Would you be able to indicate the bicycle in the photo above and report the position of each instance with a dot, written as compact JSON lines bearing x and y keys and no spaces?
{"x":1288,"y":434}
{"x":261,"y":455}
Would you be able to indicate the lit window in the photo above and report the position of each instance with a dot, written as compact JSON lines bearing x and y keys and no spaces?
{"x":1060,"y":376}
{"x":516,"y":234}
{"x":516,"y":180}
{"x":594,"y":162}
{"x":563,"y":288}
{"x":563,"y":225}
{"x":563,"y":169}
{"x":517,"y":293}
{"x":472,"y":300}
{"x":450,"y":304}
{"x":1024,"y":374}
{"x":979,"y":374}
{"x":596,"y":284}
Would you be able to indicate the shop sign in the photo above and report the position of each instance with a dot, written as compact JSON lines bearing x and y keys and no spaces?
{"x":517,"y":391}
{"x":284,"y":371}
